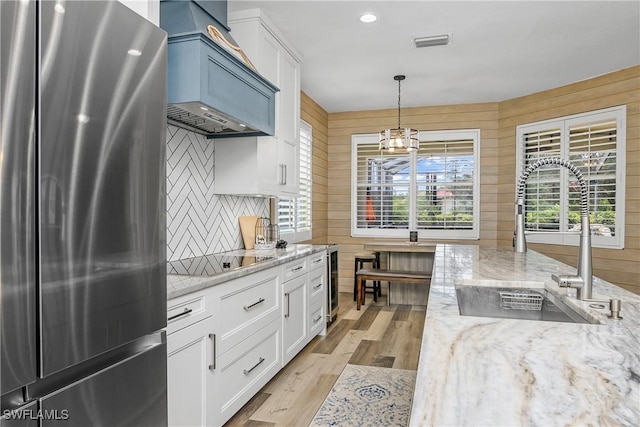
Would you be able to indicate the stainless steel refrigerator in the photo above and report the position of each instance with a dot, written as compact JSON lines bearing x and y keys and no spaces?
{"x":82,"y":215}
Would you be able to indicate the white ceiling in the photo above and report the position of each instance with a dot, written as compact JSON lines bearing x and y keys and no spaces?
{"x":499,"y":50}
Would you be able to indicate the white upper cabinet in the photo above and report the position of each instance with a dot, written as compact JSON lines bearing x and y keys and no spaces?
{"x":275,"y":59}
{"x":148,"y":9}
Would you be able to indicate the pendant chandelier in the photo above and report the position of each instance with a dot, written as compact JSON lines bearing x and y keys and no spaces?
{"x":399,"y":138}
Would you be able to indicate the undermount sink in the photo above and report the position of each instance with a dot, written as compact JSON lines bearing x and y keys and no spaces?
{"x":515,"y":303}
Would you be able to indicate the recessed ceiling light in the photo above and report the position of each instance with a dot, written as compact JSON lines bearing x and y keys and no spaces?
{"x":134,"y":52}
{"x":368,"y":17}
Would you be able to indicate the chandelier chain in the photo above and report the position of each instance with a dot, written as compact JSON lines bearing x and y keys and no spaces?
{"x":399,"y":103}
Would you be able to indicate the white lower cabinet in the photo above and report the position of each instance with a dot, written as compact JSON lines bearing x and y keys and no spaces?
{"x":190,"y":356}
{"x":247,"y":339}
{"x":242,"y":371}
{"x":227,"y":341}
{"x":294,"y":317}
{"x":189,"y":379}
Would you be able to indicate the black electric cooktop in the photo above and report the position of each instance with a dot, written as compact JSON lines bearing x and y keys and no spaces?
{"x":212,"y":265}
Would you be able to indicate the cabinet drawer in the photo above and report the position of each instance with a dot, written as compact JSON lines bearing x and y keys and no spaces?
{"x":317,"y":261}
{"x":317,"y":288}
{"x":317,"y":321}
{"x":245,"y":369}
{"x":294,"y":269}
{"x":245,"y":305}
{"x":187,"y":310}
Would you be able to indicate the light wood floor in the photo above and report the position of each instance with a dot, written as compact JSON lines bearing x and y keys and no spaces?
{"x":377,"y":335}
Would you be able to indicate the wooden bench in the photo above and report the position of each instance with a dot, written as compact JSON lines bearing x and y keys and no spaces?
{"x":388,"y":276}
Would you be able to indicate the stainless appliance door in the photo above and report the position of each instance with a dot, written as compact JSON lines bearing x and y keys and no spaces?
{"x":101,"y":179}
{"x":111,"y":398}
{"x":17,"y":196}
{"x":25,"y":416}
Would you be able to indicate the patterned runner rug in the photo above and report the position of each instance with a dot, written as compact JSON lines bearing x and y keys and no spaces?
{"x":368,"y":396}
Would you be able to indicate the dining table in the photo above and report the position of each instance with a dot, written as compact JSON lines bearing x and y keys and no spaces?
{"x":406,"y":256}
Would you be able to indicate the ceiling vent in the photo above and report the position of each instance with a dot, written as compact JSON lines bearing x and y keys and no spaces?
{"x":432,"y":40}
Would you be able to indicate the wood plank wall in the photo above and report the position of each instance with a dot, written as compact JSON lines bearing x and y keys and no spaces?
{"x":313,"y":114}
{"x":621,"y":267}
{"x":343,"y":125}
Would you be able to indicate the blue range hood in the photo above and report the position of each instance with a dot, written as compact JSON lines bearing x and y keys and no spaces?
{"x":210,"y":90}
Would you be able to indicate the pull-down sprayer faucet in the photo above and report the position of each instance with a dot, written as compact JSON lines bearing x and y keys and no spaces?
{"x":583,"y":280}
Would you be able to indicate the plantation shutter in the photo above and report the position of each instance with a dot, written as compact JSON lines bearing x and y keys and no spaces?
{"x":382,"y":187}
{"x":543,"y":188}
{"x":303,"y":203}
{"x":592,"y":142}
{"x":593,"y":148}
{"x":294,"y":214}
{"x":445,"y":184}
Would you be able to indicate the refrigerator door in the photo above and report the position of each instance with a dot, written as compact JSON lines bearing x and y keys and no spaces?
{"x":101,"y":179}
{"x":17,"y":172}
{"x":111,"y":398}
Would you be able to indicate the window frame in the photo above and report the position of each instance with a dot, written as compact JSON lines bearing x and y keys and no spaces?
{"x":305,"y":233}
{"x":564,"y":124}
{"x":439,"y":234}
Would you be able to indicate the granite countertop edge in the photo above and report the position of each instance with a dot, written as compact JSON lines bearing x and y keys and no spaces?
{"x":179,"y":285}
{"x":476,"y":371}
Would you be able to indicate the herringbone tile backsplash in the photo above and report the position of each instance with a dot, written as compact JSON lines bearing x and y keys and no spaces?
{"x":198,"y":221}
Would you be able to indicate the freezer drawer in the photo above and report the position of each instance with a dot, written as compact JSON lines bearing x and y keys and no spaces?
{"x":132,"y":392}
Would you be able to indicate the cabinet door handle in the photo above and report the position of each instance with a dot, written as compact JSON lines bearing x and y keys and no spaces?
{"x":317,"y":319}
{"x":288,"y":307}
{"x":285,"y":174}
{"x":248,"y":371}
{"x":282,"y":174}
{"x":298,"y":268}
{"x":187,"y":310}
{"x":212,"y":337}
{"x":318,"y":286}
{"x":247,"y":307}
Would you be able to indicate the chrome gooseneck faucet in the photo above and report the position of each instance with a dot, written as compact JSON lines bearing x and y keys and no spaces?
{"x":583,"y":280}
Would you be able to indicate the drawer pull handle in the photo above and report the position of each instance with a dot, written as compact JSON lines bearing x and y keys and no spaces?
{"x":247,"y":307}
{"x":318,"y":286}
{"x":187,"y":310}
{"x":298,"y":268}
{"x":248,"y":371}
{"x":317,"y":319}
{"x":315,"y":261}
{"x":212,"y":337}
{"x":288,"y":306}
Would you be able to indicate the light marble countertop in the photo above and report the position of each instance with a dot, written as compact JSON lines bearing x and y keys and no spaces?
{"x":476,"y":371}
{"x":178,"y":285}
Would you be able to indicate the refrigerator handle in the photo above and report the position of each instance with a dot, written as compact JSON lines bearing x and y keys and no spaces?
{"x":212,"y":337}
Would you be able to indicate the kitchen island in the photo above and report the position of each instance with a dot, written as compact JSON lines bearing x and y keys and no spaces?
{"x":479,"y":371}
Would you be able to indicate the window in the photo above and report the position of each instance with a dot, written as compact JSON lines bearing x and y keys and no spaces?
{"x":294,"y":215}
{"x":593,"y":142}
{"x":433,"y":190}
